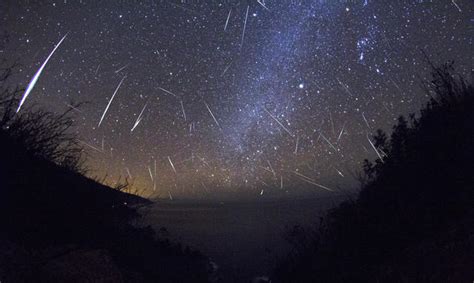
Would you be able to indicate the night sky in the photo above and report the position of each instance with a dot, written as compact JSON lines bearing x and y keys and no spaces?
{"x":254,"y":98}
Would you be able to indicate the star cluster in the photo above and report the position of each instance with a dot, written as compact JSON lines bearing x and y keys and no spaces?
{"x":254,"y":97}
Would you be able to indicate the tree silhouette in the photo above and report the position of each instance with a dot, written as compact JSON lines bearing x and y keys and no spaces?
{"x":40,"y":133}
{"x":413,"y":220}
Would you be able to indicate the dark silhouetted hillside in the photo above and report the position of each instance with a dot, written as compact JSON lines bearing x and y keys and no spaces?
{"x":59,"y":226}
{"x":413,"y":220}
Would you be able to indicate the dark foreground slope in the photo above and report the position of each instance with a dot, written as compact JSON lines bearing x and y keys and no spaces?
{"x":59,"y":226}
{"x":413,"y":220}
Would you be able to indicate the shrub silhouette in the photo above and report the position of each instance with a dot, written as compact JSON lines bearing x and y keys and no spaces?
{"x":413,"y":220}
{"x":40,"y":133}
{"x":51,"y":214}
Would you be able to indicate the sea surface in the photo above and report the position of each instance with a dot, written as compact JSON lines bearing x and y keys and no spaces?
{"x":243,"y":238}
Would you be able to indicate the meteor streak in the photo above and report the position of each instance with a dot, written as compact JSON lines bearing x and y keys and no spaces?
{"x":341,"y":132}
{"x":72,"y":107}
{"x":167,"y":91}
{"x":36,"y":76}
{"x":226,"y":68}
{"x":213,"y":117}
{"x":182,"y":108}
{"x":110,"y":101}
{"x":151,"y":174}
{"x":339,"y":172}
{"x":375,"y":149}
{"x":271,"y":168}
{"x":262,"y":3}
{"x":121,"y":69}
{"x":91,"y":146}
{"x":457,"y":6}
{"x":227,"y":21}
{"x":172,"y":165}
{"x":97,"y":70}
{"x":311,"y":181}
{"x":128,"y":173}
{"x":330,"y":144}
{"x":245,"y":25}
{"x":279,"y":123}
{"x":365,"y":120}
{"x":139,"y":119}
{"x":296,"y":146}
{"x":345,"y":87}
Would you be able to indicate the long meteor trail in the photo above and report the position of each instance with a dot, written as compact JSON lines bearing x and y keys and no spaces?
{"x":227,"y":21}
{"x":245,"y":26}
{"x":110,"y":101}
{"x":213,"y":117}
{"x":172,"y":165}
{"x":139,"y":119}
{"x":36,"y":76}
{"x":279,"y":123}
